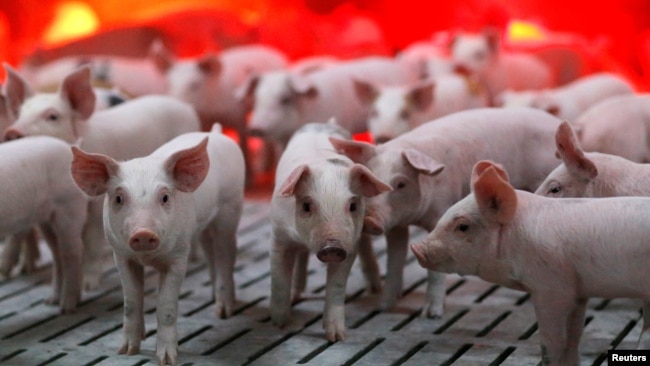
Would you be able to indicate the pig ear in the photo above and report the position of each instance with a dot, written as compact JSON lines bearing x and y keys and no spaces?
{"x":572,"y":155}
{"x":492,"y":37}
{"x":246,"y":91}
{"x":210,"y":64}
{"x":288,"y":188}
{"x":359,"y":152}
{"x":421,"y":95}
{"x":188,"y":168}
{"x":363,"y":181}
{"x":366,"y":92}
{"x":496,"y":198}
{"x":422,"y":163}
{"x":480,"y":168}
{"x":17,"y":90}
{"x":91,"y":172}
{"x":161,"y":56}
{"x":77,"y":91}
{"x":303,"y":86}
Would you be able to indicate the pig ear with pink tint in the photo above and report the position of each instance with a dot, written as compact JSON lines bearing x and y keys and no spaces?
{"x":422,"y":163}
{"x":76,"y":89}
{"x":288,"y":188}
{"x":17,"y":90}
{"x":188,"y":168}
{"x":358,"y":151}
{"x":496,"y":198}
{"x":161,"y":56}
{"x":210,"y":64}
{"x":246,"y":91}
{"x":421,"y":95}
{"x":362,"y":180}
{"x":302,"y":86}
{"x":91,"y":172}
{"x":366,"y":92}
{"x":480,"y":168}
{"x":572,"y":155}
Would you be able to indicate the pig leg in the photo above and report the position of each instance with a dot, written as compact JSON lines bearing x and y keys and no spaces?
{"x":68,"y":230}
{"x":171,"y":279}
{"x":225,"y":249}
{"x":397,"y":246}
{"x":10,"y":255}
{"x":132,"y":278}
{"x":245,"y":149}
{"x":435,"y":295}
{"x":283,"y":257}
{"x":369,"y":266}
{"x":57,"y":278}
{"x":30,"y":252}
{"x":94,"y":245}
{"x":299,"y":282}
{"x":334,"y":316}
{"x":574,"y":331}
{"x":553,"y":312}
{"x":644,"y":337}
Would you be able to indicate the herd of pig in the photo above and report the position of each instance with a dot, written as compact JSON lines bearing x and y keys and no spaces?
{"x":462,"y":133}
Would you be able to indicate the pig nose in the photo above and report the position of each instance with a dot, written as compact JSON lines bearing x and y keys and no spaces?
{"x":12,"y":134}
{"x":144,"y":240}
{"x":418,"y":251}
{"x":332,"y":252}
{"x":381,"y":139}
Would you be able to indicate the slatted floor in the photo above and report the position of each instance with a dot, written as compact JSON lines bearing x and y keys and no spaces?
{"x":483,"y":324}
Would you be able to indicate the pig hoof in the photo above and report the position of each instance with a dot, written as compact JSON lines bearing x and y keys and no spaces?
{"x":432,"y":311}
{"x":166,"y":355}
{"x":335,"y":333}
{"x":223,"y":310}
{"x":91,"y":283}
{"x":129,"y":348}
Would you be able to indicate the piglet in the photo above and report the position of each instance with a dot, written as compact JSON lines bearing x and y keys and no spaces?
{"x":571,"y":100}
{"x":38,"y":190}
{"x":618,"y":125}
{"x":395,"y":110}
{"x":592,"y":174}
{"x":188,"y":189}
{"x":429,"y":168}
{"x":482,"y":55}
{"x":560,"y":251}
{"x":318,"y":207}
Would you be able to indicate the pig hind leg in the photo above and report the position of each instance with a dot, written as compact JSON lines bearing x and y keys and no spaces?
{"x":95,"y":246}
{"x":369,"y":266}
{"x":397,"y":248}
{"x":52,"y":243}
{"x":10,"y":254}
{"x":556,"y":316}
{"x":30,"y":253}
{"x":68,"y":230}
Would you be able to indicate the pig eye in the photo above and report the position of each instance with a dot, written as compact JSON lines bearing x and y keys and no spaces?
{"x":165,"y":198}
{"x":52,"y":117}
{"x":353,"y":207}
{"x":479,"y":55}
{"x":118,"y":199}
{"x":555,"y":189}
{"x":285,"y":101}
{"x":306,"y":207}
{"x":401,"y":185}
{"x":404,"y":114}
{"x":463,"y":227}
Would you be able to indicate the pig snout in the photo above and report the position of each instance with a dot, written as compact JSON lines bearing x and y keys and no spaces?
{"x":144,"y":240}
{"x":418,"y":251}
{"x":332,"y":252}
{"x":12,"y":134}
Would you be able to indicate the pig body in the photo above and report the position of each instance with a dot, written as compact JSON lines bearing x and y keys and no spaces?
{"x":284,"y":101}
{"x":619,"y":126}
{"x":590,"y":248}
{"x":318,"y":206}
{"x":395,"y":110}
{"x":130,"y":130}
{"x":592,"y":174}
{"x":188,"y":189}
{"x":38,"y":190}
{"x":498,"y":70}
{"x":429,"y":168}
{"x":571,"y":100}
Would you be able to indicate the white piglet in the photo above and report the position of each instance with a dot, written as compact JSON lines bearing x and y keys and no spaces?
{"x":429,"y":168}
{"x":560,"y":251}
{"x":38,"y":190}
{"x":395,"y":110}
{"x":132,"y":129}
{"x":188,"y":189}
{"x":592,"y":174}
{"x":318,"y":206}
{"x":571,"y":100}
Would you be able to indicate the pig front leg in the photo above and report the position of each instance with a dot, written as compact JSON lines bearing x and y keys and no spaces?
{"x":299,"y":281}
{"x":171,"y":279}
{"x":52,"y":243}
{"x":644,"y":337}
{"x":334,"y":315}
{"x":553,"y":311}
{"x":225,"y":254}
{"x":132,"y":278}
{"x":397,"y":248}
{"x":30,"y":253}
{"x":10,"y":255}
{"x":435,"y":295}
{"x":369,"y":265}
{"x":283,"y":257}
{"x":94,"y":245}
{"x":68,"y":229}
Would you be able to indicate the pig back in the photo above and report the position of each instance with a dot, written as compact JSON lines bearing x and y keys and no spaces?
{"x":35,"y":178}
{"x":136,"y":128}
